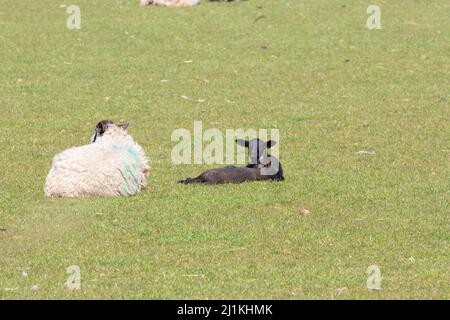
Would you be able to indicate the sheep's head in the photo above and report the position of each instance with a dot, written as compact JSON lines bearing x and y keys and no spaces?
{"x":257,"y":149}
{"x":145,"y":2}
{"x":103,"y":127}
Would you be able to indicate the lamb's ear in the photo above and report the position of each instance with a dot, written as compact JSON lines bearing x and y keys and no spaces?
{"x":124,"y":126}
{"x":242,"y":143}
{"x":270,"y":144}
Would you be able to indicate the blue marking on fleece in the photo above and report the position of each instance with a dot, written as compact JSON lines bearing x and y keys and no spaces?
{"x":131,"y":170}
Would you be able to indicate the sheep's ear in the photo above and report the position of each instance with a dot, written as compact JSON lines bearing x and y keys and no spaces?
{"x":242,"y":143}
{"x":124,"y":126}
{"x":270,"y":144}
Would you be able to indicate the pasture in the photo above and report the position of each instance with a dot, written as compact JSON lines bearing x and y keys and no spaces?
{"x":311,"y":69}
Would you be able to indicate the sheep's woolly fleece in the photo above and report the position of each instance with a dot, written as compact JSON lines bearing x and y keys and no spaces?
{"x":114,"y":165}
{"x":170,"y":3}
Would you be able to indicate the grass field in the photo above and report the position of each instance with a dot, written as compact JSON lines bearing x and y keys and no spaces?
{"x":310,"y":68}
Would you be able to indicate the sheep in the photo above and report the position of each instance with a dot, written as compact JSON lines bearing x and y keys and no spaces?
{"x":112,"y":165}
{"x":170,"y":3}
{"x":176,"y":3}
{"x":262,"y":166}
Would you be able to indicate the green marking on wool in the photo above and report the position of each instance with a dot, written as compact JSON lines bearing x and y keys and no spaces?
{"x":131,"y":175}
{"x":131,"y":168}
{"x":133,"y":153}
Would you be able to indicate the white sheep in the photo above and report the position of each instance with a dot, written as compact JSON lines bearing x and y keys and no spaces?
{"x":112,"y":165}
{"x":170,"y":3}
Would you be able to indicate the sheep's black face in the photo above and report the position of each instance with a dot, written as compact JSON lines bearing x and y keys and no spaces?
{"x":100,"y":129}
{"x":102,"y":126}
{"x":257,"y":149}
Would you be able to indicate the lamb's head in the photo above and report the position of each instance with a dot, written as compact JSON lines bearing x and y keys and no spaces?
{"x":107,"y":127}
{"x":257,"y":150}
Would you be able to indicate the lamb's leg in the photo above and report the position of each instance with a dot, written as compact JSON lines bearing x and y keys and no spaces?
{"x":199,"y":179}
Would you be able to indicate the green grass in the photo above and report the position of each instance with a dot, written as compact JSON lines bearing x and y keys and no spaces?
{"x":311,"y":69}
